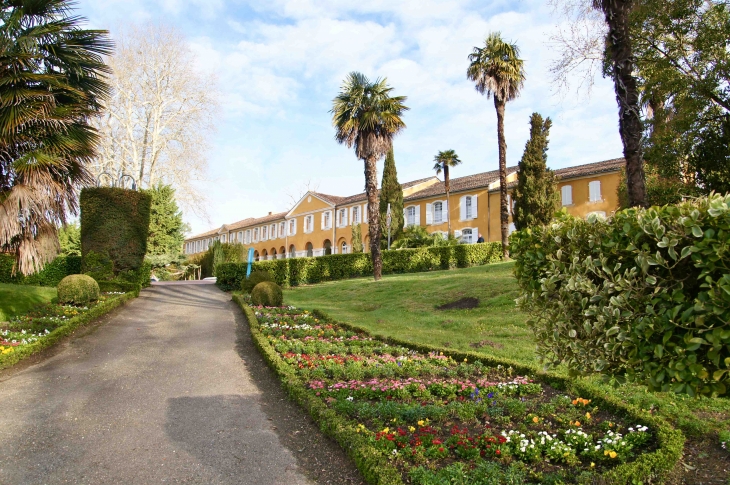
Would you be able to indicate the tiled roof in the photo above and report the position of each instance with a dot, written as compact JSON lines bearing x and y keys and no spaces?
{"x":590,"y":168}
{"x":336,"y":200}
{"x":461,"y":183}
{"x":262,"y":220}
{"x":212,"y":232}
{"x":239,"y":224}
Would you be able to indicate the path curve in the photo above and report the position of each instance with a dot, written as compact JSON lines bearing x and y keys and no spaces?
{"x":169,"y":390}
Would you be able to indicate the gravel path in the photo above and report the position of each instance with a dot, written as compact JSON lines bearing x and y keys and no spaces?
{"x":169,"y":390}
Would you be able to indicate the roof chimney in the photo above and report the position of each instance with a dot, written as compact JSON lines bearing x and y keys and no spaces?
{"x":270,"y":213}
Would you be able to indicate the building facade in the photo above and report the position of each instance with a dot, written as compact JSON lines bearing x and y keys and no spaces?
{"x":320,"y":224}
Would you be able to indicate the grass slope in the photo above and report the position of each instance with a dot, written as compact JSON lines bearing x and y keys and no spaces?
{"x":19,"y":299}
{"x":404,"y":306}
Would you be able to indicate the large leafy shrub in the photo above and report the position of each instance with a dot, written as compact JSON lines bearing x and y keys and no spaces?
{"x":296,"y":271}
{"x":267,"y":293}
{"x":78,"y":289}
{"x":256,"y":277}
{"x":644,"y":295}
{"x":115,"y":224}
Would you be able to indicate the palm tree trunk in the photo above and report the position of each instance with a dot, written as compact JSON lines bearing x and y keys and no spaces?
{"x":371,"y":189}
{"x":503,"y":211}
{"x":627,"y":95}
{"x":448,"y":199}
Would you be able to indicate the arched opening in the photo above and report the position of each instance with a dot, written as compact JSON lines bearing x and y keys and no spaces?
{"x":264,"y":255}
{"x":342,"y":246}
{"x":256,"y":255}
{"x":273,"y":253}
{"x":292,"y":251}
{"x":310,"y":249}
{"x":327,"y":247}
{"x":282,"y":252}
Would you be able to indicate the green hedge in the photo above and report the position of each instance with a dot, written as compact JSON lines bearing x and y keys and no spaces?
{"x":51,"y":274}
{"x":649,"y":467}
{"x":115,"y":223}
{"x":20,"y":353}
{"x":644,"y":294}
{"x":297,"y":271}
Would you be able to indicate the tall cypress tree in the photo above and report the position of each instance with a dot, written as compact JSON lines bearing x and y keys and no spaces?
{"x":391,"y":192}
{"x":166,"y":222}
{"x":536,"y":196}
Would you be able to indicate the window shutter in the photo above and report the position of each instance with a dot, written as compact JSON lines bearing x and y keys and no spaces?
{"x":344,"y":222}
{"x":462,"y":208}
{"x":418,"y":215}
{"x":445,"y":210}
{"x":352,"y":214}
{"x":567,"y":194}
{"x":405,"y":218}
{"x":365,"y":217}
{"x":474,"y":212}
{"x":429,"y":214}
{"x":323,"y":226}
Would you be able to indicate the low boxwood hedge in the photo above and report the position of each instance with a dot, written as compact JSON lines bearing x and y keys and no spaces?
{"x":647,"y":468}
{"x":297,"y":271}
{"x":25,"y":351}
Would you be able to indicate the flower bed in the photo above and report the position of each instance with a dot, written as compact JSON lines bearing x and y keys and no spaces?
{"x":424,"y":416}
{"x":30,"y":333}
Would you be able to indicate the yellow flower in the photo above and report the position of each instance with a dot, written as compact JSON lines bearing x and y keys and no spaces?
{"x":420,"y":423}
{"x":577,"y":423}
{"x":464,"y":360}
{"x":393,"y":420}
{"x":612,"y":454}
{"x":535,"y":419}
{"x":592,"y":464}
{"x":411,"y":429}
{"x":588,"y":415}
{"x":386,"y":430}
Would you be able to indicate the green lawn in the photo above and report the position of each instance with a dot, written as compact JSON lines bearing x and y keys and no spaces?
{"x":404,"y":306}
{"x":19,"y":299}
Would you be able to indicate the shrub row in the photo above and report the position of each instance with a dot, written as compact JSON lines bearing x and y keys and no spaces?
{"x":376,"y":470}
{"x":25,"y":351}
{"x":296,"y":271}
{"x":51,"y":274}
{"x":643,"y":295}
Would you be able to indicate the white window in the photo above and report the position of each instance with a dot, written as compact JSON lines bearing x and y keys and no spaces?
{"x":466,"y":236}
{"x":412,"y":216}
{"x":308,"y":224}
{"x":344,"y":248}
{"x":264,"y":233}
{"x":272,"y":231}
{"x":438,"y":212}
{"x":566,"y":193}
{"x":292,"y":227}
{"x":468,"y":207}
{"x":240,"y":236}
{"x":247,"y":236}
{"x":342,"y":218}
{"x":223,"y":238}
{"x":256,"y":235}
{"x":594,"y":191}
{"x":282,"y":229}
{"x":326,"y":220}
{"x":355,"y":214}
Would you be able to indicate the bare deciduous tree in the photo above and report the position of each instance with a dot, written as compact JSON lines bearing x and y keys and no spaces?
{"x":159,"y":119}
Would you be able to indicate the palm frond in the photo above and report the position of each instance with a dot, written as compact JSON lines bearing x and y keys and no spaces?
{"x":496,"y":68}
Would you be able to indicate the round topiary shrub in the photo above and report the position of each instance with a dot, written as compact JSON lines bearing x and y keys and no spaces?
{"x":267,"y":293}
{"x":78,"y":289}
{"x":256,"y":277}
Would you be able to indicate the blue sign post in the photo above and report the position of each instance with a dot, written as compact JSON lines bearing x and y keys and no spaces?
{"x":250,"y":261}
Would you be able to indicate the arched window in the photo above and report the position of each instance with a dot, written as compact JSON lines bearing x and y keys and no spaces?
{"x":292,"y":251}
{"x":310,"y":250}
{"x":256,"y":255}
{"x":264,"y":255}
{"x":327,"y":247}
{"x":344,"y":247}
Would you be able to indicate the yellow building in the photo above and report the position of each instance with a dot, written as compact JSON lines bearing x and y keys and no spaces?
{"x":321,"y":224}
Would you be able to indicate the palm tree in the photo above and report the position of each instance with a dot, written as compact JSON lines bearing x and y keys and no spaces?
{"x":52,"y":82}
{"x":497,"y":71}
{"x":367,"y":117}
{"x":445,"y":160}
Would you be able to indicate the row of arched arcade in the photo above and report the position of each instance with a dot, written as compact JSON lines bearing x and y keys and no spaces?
{"x":309,"y":251}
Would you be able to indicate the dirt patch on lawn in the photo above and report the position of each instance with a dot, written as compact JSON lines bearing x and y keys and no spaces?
{"x":484,"y":343}
{"x":461,"y":304}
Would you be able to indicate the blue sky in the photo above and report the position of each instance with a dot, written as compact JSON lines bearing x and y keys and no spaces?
{"x":280,"y":62}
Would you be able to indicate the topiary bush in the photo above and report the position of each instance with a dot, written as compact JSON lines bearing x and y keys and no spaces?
{"x":267,"y":293}
{"x":256,"y":277}
{"x":78,"y":289}
{"x":644,"y":295}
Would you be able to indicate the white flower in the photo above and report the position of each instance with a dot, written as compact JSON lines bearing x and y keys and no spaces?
{"x":350,"y":398}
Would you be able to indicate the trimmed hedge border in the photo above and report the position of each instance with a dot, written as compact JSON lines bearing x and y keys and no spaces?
{"x":378,"y":471}
{"x":8,"y":360}
{"x":51,"y":274}
{"x":296,"y":271}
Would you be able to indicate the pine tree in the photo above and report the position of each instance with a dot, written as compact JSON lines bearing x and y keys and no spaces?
{"x":166,"y":222}
{"x":357,"y":238}
{"x":69,"y":238}
{"x":391,"y":192}
{"x":536,"y":196}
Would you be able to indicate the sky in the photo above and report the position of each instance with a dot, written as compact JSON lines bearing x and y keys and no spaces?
{"x":279,"y":64}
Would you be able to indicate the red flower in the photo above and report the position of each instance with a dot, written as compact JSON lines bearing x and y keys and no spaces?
{"x":441,"y":449}
{"x":498,"y":452}
{"x":437,"y":441}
